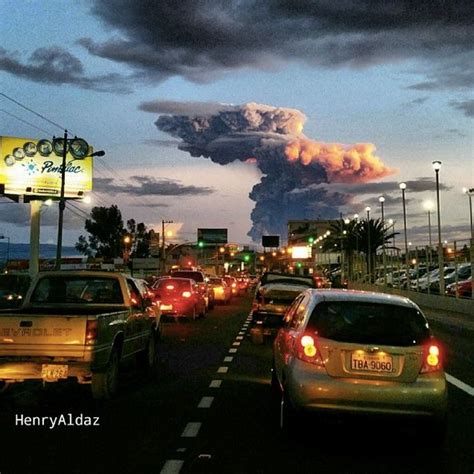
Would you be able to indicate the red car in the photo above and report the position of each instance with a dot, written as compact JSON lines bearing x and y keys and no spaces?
{"x":464,"y":289}
{"x":179,"y":297}
{"x":232,"y":282}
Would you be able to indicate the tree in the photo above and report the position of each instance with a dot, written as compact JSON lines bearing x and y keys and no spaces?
{"x":353,"y":237}
{"x":106,"y":233}
{"x":141,"y":238}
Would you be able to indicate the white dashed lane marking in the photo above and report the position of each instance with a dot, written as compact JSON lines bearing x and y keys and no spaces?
{"x":236,"y":344}
{"x":173,"y":466}
{"x":460,"y":384}
{"x":222,"y":370}
{"x":228,"y":359}
{"x":191,"y":430}
{"x":239,"y":338}
{"x":206,"y":402}
{"x":215,"y":384}
{"x":232,"y":351}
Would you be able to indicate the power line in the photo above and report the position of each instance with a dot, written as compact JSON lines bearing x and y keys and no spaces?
{"x":32,"y":111}
{"x":25,"y":121}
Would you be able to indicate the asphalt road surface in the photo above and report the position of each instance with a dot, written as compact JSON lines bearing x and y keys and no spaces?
{"x":210,"y":410}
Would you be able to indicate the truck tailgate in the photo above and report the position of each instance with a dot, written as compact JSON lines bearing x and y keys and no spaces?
{"x":42,"y":335}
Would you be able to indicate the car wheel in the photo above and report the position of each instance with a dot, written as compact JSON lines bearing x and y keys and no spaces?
{"x":147,"y":359}
{"x":104,"y":384}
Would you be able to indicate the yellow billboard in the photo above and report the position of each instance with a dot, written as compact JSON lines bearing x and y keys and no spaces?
{"x":31,"y":167}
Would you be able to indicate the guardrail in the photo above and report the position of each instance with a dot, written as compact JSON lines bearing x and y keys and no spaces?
{"x":438,"y":302}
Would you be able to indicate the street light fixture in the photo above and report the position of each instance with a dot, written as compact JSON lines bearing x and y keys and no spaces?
{"x":367,"y":209}
{"x":437,"y":166}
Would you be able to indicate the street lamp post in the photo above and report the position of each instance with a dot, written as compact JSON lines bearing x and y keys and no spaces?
{"x":357,"y":229}
{"x":403,"y":186}
{"x":469,"y":193}
{"x":428,"y":205}
{"x":384,"y":262}
{"x":369,"y":261}
{"x":437,"y":167}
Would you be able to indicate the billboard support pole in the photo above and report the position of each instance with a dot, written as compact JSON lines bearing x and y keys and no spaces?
{"x":35,"y":212}
{"x":62,"y":206}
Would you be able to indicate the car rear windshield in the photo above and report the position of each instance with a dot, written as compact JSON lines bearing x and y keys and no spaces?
{"x":369,"y":323}
{"x":196,"y":276}
{"x":77,"y":290}
{"x":171,"y":285}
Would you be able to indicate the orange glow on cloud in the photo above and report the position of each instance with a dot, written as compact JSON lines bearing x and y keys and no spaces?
{"x":342,"y":163}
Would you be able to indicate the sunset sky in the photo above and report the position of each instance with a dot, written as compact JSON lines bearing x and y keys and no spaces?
{"x":397,"y":77}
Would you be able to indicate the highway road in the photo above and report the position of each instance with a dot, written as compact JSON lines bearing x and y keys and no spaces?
{"x":209,"y":410}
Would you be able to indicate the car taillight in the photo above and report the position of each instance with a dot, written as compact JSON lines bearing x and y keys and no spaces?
{"x":91,"y":331}
{"x":186,"y":294}
{"x":307,"y":350}
{"x":234,"y":285}
{"x":431,"y":359}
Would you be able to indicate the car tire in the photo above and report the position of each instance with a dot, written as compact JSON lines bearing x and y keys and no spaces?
{"x":148,"y":359}
{"x":104,"y":385}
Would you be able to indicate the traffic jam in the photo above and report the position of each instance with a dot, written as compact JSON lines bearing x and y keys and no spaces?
{"x":326,"y":357}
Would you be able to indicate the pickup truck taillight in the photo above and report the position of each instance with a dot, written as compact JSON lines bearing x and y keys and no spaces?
{"x":91,"y":331}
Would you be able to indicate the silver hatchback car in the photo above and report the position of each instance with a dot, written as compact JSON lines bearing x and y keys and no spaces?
{"x":358,"y":352}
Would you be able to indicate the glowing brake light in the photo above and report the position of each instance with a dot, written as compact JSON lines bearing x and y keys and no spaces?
{"x":308,"y":346}
{"x":431,"y":359}
{"x":234,"y":285}
{"x":186,"y":294}
{"x":307,"y":350}
{"x":91,"y":331}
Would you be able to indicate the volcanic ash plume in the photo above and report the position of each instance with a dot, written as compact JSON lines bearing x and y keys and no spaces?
{"x":293,"y":165}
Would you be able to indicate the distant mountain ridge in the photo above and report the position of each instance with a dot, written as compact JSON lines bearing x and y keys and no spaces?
{"x":22,"y":251}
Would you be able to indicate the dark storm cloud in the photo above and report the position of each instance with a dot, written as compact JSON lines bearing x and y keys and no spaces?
{"x":161,"y":143}
{"x":466,"y":106}
{"x":173,"y":107}
{"x":418,"y":101}
{"x":54,"y":65}
{"x":146,"y":186}
{"x":418,"y":185}
{"x":199,"y":39}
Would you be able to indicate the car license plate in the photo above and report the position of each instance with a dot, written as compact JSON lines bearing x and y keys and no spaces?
{"x":54,"y":372}
{"x":166,"y":307}
{"x":363,"y":362}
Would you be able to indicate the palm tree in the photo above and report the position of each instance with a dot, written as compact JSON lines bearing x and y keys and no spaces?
{"x":352,"y":237}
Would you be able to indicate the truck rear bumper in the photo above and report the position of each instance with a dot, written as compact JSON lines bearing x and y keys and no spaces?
{"x":12,"y":372}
